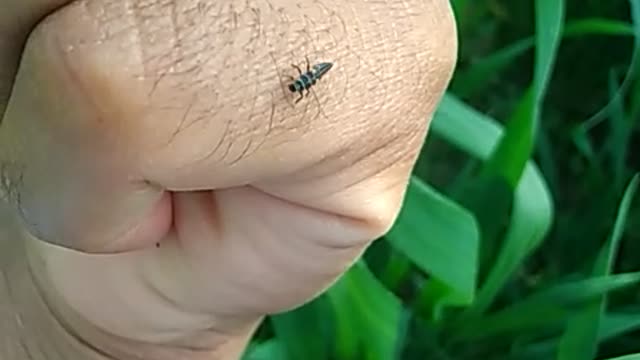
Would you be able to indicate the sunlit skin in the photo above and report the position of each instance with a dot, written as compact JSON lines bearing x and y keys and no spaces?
{"x":163,"y":187}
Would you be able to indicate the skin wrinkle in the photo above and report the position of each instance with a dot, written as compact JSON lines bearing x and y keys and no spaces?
{"x":71,"y":335}
{"x":206,"y":333}
{"x":364,"y":176}
{"x":104,"y":352}
{"x":333,"y":158}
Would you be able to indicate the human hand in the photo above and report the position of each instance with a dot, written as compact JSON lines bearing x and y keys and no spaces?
{"x":170,"y":191}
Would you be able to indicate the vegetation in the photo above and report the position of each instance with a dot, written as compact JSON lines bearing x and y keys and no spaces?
{"x":520,"y":234}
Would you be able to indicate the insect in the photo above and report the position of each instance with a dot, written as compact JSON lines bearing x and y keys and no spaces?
{"x":309,"y":78}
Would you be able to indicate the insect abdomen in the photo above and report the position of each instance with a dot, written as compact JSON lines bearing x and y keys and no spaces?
{"x":304,"y":82}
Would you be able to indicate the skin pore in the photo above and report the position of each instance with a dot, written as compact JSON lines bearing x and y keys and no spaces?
{"x":164,"y":192}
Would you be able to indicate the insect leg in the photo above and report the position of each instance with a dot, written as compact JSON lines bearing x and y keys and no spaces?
{"x":297,"y":68}
{"x":308,"y":64}
{"x":300,"y":98}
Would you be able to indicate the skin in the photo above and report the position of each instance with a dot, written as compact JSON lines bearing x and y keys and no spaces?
{"x":163,"y":193}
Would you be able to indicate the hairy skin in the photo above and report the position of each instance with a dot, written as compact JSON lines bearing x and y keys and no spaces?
{"x":167,"y":194}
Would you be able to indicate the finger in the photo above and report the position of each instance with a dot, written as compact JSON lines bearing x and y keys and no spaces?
{"x":187,"y":96}
{"x":66,"y":166}
{"x":17,"y":19}
{"x":16,"y":22}
{"x":203,"y":274}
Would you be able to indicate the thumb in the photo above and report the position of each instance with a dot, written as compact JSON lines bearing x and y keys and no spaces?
{"x":17,"y":18}
{"x":65,"y":166}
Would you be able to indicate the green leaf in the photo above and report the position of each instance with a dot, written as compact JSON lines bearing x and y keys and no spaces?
{"x":619,"y":135}
{"x":580,"y":339}
{"x":532,"y":211}
{"x":597,"y":26}
{"x":635,"y":101}
{"x":397,"y":268}
{"x":615,"y":324}
{"x":305,"y":330}
{"x":629,"y":77}
{"x":583,"y":144}
{"x":543,"y":309}
{"x":439,"y":237}
{"x":268,"y":350}
{"x":627,"y":357}
{"x":370,"y":318}
{"x":515,"y":148}
{"x":611,"y":325}
{"x":469,"y":81}
{"x":549,"y":23}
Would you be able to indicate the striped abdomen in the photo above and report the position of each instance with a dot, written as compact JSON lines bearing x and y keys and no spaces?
{"x":309,"y":78}
{"x":304,"y":82}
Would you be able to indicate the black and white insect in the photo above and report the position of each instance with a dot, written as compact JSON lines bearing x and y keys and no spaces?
{"x":309,"y":78}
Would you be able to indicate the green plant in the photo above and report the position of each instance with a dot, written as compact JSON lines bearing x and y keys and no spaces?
{"x":517,"y":238}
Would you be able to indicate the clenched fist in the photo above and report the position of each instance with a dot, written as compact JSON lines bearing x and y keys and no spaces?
{"x":166,"y":188}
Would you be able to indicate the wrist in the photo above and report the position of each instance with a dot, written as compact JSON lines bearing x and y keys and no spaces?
{"x":36,"y":324}
{"x":208,"y":344}
{"x":28,"y":328}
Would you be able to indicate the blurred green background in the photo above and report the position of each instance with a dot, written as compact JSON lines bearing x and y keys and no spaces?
{"x":520,"y":234}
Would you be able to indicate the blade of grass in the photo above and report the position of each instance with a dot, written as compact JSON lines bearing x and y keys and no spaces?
{"x":368,"y":315}
{"x":515,"y":148}
{"x":540,"y":310}
{"x":532,"y":212}
{"x":304,"y":331}
{"x":611,"y":326}
{"x":396,"y":270}
{"x":511,"y":156}
{"x":597,"y":26}
{"x":468,"y":82}
{"x":580,"y":338}
{"x":615,"y":324}
{"x":634,"y":64}
{"x":439,"y":237}
{"x":627,"y":357}
{"x":268,"y":350}
{"x":619,"y":135}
